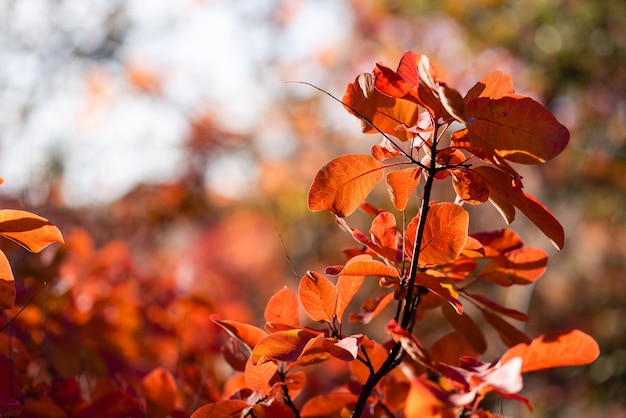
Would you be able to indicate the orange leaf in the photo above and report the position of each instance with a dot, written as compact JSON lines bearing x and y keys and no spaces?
{"x":450,"y":348}
{"x":377,"y":354}
{"x":318,"y":296}
{"x":433,"y":284}
{"x":555,"y":349}
{"x":363,"y":265}
{"x":282,"y":308}
{"x":401,"y":185}
{"x":160,"y":391}
{"x":347,"y":287}
{"x":391,"y":115}
{"x":504,"y":195}
{"x":342,"y":184}
{"x":384,"y":232}
{"x":7,"y":283}
{"x":29,"y":230}
{"x":222,"y":409}
{"x":329,"y":406}
{"x":499,"y":241}
{"x":371,"y":308}
{"x":517,"y":128}
{"x":284,"y":345}
{"x":258,"y":375}
{"x":445,"y":234}
{"x":295,"y":382}
{"x":494,"y":85}
{"x":425,"y":401}
{"x":521,"y":266}
{"x":469,"y":186}
{"x":247,"y":334}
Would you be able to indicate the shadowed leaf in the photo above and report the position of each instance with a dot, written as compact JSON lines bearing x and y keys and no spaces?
{"x":7,"y":283}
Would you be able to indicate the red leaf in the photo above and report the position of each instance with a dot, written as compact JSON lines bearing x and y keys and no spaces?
{"x":555,"y":349}
{"x":391,"y":115}
{"x":282,"y":308}
{"x":247,"y":334}
{"x":318,"y":296}
{"x":342,"y":184}
{"x":7,"y":283}
{"x":401,"y":185}
{"x":29,"y":230}
{"x":504,"y":195}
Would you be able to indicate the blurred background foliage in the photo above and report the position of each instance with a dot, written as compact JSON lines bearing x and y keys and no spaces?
{"x":217,"y":230}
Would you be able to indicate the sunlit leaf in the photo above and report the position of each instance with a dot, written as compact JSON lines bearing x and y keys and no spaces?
{"x":342,"y":184}
{"x":469,"y":186}
{"x":517,"y":128}
{"x":331,"y":405}
{"x":521,"y":266}
{"x":494,"y":86}
{"x":258,"y":375}
{"x":284,"y":345}
{"x":504,"y":195}
{"x":371,"y":308}
{"x":160,"y":391}
{"x":445,"y":234}
{"x":7,"y":283}
{"x":499,"y":241}
{"x":29,"y":230}
{"x":221,"y":409}
{"x":361,"y":266}
{"x":401,"y":185}
{"x":555,"y":349}
{"x":318,"y":296}
{"x":347,"y":287}
{"x":390,"y":115}
{"x":282,"y":308}
{"x":425,"y":400}
{"x":247,"y":334}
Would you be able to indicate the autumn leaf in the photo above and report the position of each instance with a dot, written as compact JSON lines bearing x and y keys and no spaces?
{"x":445,"y":234}
{"x":329,"y":405}
{"x":160,"y":391}
{"x":7,"y":283}
{"x":318,"y":296}
{"x":247,"y":334}
{"x":29,"y":230}
{"x":450,"y":348}
{"x":284,"y":345}
{"x":520,"y":266}
{"x":440,"y":289}
{"x":507,"y":332}
{"x":258,"y":375}
{"x":469,"y":186}
{"x":555,"y":349}
{"x":282,"y":308}
{"x":221,"y":409}
{"x":391,"y":115}
{"x":371,"y":308}
{"x":347,"y":287}
{"x":401,"y":184}
{"x":466,"y":326}
{"x":494,"y":85}
{"x":491,"y":305}
{"x":342,"y":184}
{"x":504,"y":196}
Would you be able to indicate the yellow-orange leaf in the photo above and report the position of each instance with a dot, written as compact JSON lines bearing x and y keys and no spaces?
{"x":555,"y":349}
{"x":318,"y":296}
{"x":282,"y":308}
{"x":29,"y":230}
{"x":401,"y":185}
{"x":7,"y":283}
{"x":342,"y":184}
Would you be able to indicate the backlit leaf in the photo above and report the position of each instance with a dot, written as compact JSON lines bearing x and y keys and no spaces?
{"x":247,"y":334}
{"x":401,"y":185}
{"x":443,"y":290}
{"x":29,"y":230}
{"x":517,"y":128}
{"x":555,"y":349}
{"x":390,"y":115}
{"x":331,"y":405}
{"x":469,"y":186}
{"x":521,"y":266}
{"x":504,"y":195}
{"x":284,"y":345}
{"x":7,"y":283}
{"x":342,"y":184}
{"x":499,"y":241}
{"x":222,"y":409}
{"x":371,"y":308}
{"x":258,"y":375}
{"x":318,"y":296}
{"x":494,"y":85}
{"x":282,"y":308}
{"x":347,"y":287}
{"x":365,"y":266}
